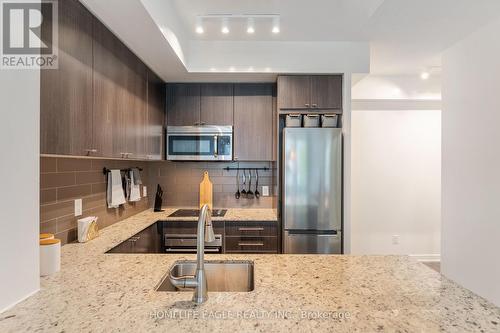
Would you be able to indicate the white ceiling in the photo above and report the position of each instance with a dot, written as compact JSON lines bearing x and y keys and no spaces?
{"x":406,"y":36}
{"x":312,"y":20}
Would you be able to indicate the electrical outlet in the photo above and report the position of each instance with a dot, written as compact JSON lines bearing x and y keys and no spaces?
{"x":265,"y":191}
{"x":395,"y":239}
{"x":144,"y":191}
{"x":78,"y":207}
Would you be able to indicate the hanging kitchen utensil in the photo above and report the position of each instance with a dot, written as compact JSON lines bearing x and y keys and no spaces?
{"x":250,"y":194}
{"x":237,"y":194}
{"x":206,"y":191}
{"x":257,"y":193}
{"x":243,"y":191}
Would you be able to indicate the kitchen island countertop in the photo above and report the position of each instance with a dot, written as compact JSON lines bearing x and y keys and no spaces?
{"x":98,"y":292}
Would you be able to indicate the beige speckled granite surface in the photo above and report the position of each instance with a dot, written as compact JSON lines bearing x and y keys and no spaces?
{"x":97,"y":292}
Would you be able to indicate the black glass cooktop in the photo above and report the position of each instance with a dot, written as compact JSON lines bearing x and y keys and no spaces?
{"x":196,"y":212}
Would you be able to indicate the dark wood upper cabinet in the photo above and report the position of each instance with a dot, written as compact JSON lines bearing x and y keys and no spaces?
{"x":253,"y":123}
{"x":110,"y":92}
{"x":310,"y":92}
{"x":326,"y":91}
{"x":216,"y":106}
{"x":156,"y":117}
{"x":96,"y":103}
{"x":66,"y":92}
{"x":294,"y":92}
{"x":183,"y":104}
{"x":134,"y":113}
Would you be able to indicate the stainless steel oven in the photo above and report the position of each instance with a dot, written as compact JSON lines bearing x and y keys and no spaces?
{"x":199,"y":143}
{"x":186,"y":243}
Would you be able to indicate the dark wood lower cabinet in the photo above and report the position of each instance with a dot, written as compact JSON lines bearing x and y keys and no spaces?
{"x":235,"y":244}
{"x":251,"y":237}
{"x":251,"y":228}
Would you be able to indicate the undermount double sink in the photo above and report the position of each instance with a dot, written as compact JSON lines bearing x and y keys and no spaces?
{"x":222,"y":275}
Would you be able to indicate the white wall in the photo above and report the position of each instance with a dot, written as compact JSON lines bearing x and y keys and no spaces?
{"x":396,"y":166}
{"x":396,"y":182}
{"x":19,"y":197}
{"x":471,"y":163}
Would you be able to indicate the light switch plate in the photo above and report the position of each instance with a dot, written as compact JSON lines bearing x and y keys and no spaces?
{"x":395,"y":239}
{"x":265,"y":191}
{"x":78,"y":207}
{"x":144,"y":191}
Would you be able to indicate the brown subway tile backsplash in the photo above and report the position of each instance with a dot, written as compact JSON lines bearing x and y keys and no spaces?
{"x":73,"y":192}
{"x":53,"y":211}
{"x":62,"y":180}
{"x":90,"y":177}
{"x":180,"y":183}
{"x":48,"y":196}
{"x":48,"y":227}
{"x":51,"y":180}
{"x":73,"y":164}
{"x":48,"y":164}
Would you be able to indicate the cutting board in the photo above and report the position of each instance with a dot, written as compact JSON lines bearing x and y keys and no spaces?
{"x":206,"y":191}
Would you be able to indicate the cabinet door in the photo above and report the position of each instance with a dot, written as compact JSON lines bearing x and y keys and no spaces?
{"x":216,"y":104}
{"x":134,"y":112}
{"x":156,"y":117}
{"x":294,"y":92}
{"x":253,"y":111}
{"x":183,"y":104}
{"x":66,"y":92}
{"x":110,"y":92}
{"x":326,"y":92}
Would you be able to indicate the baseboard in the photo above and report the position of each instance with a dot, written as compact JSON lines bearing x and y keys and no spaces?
{"x":8,"y":307}
{"x":427,"y":257}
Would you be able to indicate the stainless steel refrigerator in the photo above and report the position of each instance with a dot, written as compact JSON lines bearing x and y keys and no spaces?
{"x":312,"y":190}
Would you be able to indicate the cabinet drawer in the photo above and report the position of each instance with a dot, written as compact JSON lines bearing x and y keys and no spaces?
{"x":251,"y":244}
{"x":251,"y":228}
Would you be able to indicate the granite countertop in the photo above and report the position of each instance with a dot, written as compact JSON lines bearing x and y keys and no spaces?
{"x":232,"y":214}
{"x":97,"y":292}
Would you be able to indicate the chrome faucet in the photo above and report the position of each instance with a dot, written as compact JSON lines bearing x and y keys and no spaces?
{"x":198,"y":282}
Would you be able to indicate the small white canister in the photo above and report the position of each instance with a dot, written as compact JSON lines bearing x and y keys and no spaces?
{"x":50,"y":256}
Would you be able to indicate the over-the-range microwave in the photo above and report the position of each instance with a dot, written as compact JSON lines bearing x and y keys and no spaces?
{"x":199,"y":143}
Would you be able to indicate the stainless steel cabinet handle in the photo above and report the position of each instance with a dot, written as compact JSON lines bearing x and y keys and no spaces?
{"x":251,"y":229}
{"x":250,"y":243}
{"x":315,"y":105}
{"x":216,"y":145}
{"x":307,"y":105}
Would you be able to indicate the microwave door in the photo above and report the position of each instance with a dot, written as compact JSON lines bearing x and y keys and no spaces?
{"x":191,"y":146}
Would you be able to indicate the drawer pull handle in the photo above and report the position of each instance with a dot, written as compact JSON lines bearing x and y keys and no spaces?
{"x":250,"y":243}
{"x":251,"y":229}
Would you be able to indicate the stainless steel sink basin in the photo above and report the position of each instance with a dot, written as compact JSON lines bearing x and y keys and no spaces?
{"x":222,"y":276}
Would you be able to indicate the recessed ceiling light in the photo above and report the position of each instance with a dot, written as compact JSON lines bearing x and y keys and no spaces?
{"x":199,"y":25}
{"x":250,"y":25}
{"x":250,"y":69}
{"x":425,"y":75}
{"x":225,"y":28}
{"x":232,"y":69}
{"x":276,"y":25}
{"x":212,"y":69}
